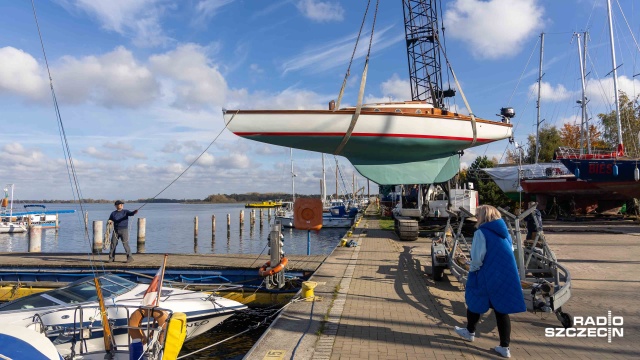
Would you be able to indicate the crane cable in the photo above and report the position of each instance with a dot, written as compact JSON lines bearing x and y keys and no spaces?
{"x":356,"y":114}
{"x":464,"y":98}
{"x":346,"y":75}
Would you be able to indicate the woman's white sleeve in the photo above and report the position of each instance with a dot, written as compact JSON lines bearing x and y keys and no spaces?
{"x":478,"y":250}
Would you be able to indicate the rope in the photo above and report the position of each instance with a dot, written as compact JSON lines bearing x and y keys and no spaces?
{"x":464,"y":98}
{"x":71,"y":170}
{"x":346,"y":75}
{"x":356,"y":114}
{"x":192,"y":163}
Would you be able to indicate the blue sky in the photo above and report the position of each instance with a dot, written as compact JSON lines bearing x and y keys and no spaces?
{"x":141,"y":84}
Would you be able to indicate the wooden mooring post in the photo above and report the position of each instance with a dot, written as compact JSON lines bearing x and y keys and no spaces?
{"x":57,"y":223}
{"x":35,"y":238}
{"x":228,"y":223}
{"x":241,"y":218}
{"x":97,"y":236}
{"x":213,"y":226}
{"x":142,"y":230}
{"x":195,"y":228}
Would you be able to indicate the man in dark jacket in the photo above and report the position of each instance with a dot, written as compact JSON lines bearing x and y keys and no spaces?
{"x":120,"y":218}
{"x":532,"y":228}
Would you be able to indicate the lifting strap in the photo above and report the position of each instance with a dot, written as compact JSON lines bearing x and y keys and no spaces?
{"x":356,"y":114}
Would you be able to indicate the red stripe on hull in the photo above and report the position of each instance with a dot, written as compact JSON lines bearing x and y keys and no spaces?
{"x":414,"y":136}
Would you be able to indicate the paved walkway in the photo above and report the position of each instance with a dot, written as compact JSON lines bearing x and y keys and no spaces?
{"x":378,"y":302}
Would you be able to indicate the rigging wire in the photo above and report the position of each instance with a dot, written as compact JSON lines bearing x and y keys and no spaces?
{"x":71,"y":170}
{"x":346,"y":75}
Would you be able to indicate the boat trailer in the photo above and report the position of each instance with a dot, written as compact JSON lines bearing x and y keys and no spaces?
{"x":546,"y":285}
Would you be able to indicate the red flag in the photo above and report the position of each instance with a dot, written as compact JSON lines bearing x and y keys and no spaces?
{"x":151,"y":297}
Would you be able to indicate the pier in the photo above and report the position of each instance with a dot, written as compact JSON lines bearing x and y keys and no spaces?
{"x":378,"y":301}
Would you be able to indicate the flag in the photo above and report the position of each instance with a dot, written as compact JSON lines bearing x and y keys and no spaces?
{"x":151,"y":296}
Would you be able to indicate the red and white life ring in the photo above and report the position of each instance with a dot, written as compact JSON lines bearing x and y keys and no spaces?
{"x":274,"y":270}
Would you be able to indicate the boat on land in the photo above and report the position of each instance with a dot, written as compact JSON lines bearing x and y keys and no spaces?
{"x":67,"y":312}
{"x":264,"y":204}
{"x":391,"y":143}
{"x":611,"y":170}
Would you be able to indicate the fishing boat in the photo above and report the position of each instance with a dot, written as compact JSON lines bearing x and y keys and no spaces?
{"x":71,"y":314}
{"x":264,"y":204}
{"x":388,"y":142}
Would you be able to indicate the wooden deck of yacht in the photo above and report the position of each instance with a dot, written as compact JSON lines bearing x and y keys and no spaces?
{"x":303,"y":263}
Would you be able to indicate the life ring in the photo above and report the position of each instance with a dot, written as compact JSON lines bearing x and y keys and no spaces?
{"x":135,"y":321}
{"x":274,"y":270}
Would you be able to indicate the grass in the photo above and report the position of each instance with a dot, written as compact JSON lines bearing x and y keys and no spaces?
{"x":386,"y":223}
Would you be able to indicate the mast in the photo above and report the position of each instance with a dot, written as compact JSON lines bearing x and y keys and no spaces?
{"x":615,"y":81}
{"x":324,"y":183}
{"x":293,"y":175}
{"x":539,"y":95}
{"x":584,"y":126}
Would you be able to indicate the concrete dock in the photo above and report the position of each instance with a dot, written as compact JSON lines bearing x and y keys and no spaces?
{"x":378,"y":301}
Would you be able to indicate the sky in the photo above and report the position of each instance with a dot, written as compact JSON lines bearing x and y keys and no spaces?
{"x":141,"y":84}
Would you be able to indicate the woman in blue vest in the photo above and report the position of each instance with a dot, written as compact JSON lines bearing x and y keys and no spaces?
{"x":493,"y":278}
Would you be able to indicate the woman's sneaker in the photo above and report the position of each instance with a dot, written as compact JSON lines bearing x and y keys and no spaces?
{"x":465,"y":334}
{"x":503,"y":351}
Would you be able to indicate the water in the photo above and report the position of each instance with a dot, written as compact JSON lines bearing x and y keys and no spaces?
{"x":169,"y":229}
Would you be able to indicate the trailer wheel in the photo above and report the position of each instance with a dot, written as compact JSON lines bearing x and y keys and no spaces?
{"x":437,"y":272}
{"x":565,"y":319}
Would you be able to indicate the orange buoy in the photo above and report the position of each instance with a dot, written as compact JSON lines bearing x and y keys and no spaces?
{"x":274,"y":270}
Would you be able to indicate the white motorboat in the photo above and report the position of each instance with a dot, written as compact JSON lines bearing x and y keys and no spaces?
{"x":73,"y":310}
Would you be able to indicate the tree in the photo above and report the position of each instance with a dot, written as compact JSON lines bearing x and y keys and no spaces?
{"x":489,"y":193}
{"x":570,"y":136}
{"x":630,"y":119}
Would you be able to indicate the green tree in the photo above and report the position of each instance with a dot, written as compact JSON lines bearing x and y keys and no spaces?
{"x":489,"y":193}
{"x":630,"y":119}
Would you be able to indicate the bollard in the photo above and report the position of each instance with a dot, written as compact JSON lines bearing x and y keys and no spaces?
{"x":307,"y":290}
{"x":142,"y":230}
{"x":195,"y":228}
{"x":35,"y":239}
{"x":97,"y":236}
{"x":213,"y":226}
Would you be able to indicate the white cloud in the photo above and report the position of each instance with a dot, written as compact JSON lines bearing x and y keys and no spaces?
{"x":494,"y":28}
{"x":113,"y":79}
{"x":320,"y":58}
{"x":206,"y":160}
{"x":321,"y":11}
{"x":234,"y":161}
{"x":600,"y":91}
{"x":549,"y":93}
{"x":21,"y":74}
{"x":95,"y":153}
{"x":118,"y":145}
{"x":193,"y":80}
{"x":139,"y":20}
{"x":207,"y":9}
{"x":291,"y":98}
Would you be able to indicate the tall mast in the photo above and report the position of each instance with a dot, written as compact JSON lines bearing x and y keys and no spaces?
{"x":293,"y":175}
{"x":584,"y":124}
{"x":615,"y":80}
{"x":539,"y":93}
{"x":324,"y":183}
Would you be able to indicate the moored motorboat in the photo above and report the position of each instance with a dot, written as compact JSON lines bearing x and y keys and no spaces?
{"x":67,"y":310}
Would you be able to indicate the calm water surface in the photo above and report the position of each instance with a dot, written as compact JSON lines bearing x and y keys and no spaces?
{"x":169,"y":229}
